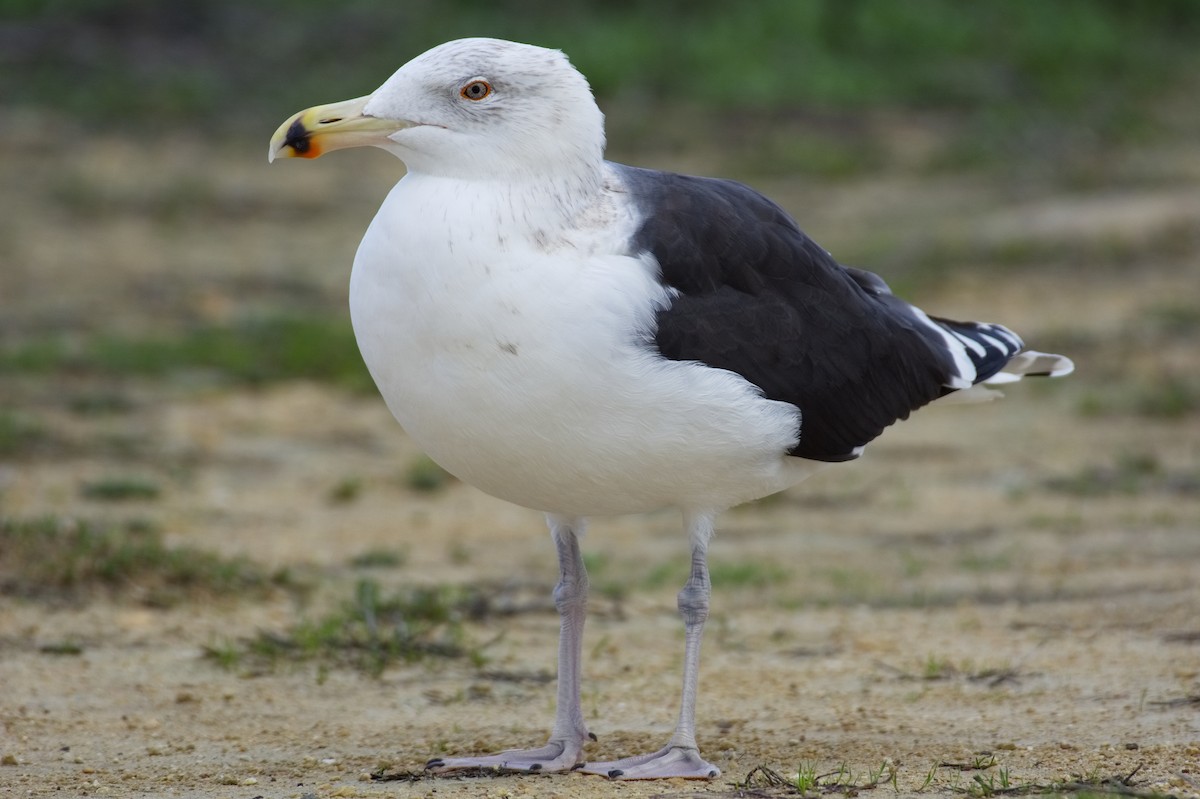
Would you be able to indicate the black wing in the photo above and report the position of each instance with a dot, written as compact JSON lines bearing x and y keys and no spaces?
{"x":760,"y":298}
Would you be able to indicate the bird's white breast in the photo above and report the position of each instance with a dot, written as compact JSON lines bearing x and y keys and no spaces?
{"x":517,"y":357}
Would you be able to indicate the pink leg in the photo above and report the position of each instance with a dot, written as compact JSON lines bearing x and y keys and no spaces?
{"x":681,"y":756}
{"x":564,"y":750}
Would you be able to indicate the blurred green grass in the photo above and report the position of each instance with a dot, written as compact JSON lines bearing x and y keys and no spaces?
{"x":368,"y":633}
{"x":252,"y":351}
{"x":1020,"y":78}
{"x":64,"y":558}
{"x":1086,"y":95}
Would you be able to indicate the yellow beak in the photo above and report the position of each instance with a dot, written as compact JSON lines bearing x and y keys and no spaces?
{"x":324,"y":128}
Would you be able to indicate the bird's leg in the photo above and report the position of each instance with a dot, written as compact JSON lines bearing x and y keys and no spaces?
{"x":680,"y":757}
{"x":564,"y":749}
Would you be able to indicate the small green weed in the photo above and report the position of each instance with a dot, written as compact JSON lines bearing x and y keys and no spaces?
{"x":64,"y":558}
{"x":120,"y":489}
{"x":997,"y":782}
{"x":368,"y":633}
{"x":806,"y":777}
{"x":65,"y":647}
{"x":844,"y":776}
{"x":929,"y":775}
{"x":807,"y":781}
{"x":225,"y":653}
{"x":426,"y":476}
{"x":984,"y":761}
{"x":345,"y":491}
{"x":936,"y":668}
{"x":380,"y":559}
{"x":21,"y":435}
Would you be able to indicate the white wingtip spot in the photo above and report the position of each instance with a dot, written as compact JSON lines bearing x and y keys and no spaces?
{"x":1065,"y":366}
{"x":1032,"y":362}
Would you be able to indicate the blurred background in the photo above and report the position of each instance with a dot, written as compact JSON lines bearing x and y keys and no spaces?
{"x":1031,"y":163}
{"x":134,"y":132}
{"x":184,"y":416}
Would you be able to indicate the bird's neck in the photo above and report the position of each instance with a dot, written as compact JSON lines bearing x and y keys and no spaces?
{"x":532,"y":200}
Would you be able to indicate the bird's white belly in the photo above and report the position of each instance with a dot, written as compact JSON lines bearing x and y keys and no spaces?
{"x":527,"y":375}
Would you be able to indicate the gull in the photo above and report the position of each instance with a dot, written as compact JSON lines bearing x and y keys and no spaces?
{"x":586,"y":338}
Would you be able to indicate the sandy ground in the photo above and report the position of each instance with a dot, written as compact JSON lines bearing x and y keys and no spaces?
{"x":939,"y":607}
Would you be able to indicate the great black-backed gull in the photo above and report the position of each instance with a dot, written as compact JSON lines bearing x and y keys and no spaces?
{"x":584,"y":338}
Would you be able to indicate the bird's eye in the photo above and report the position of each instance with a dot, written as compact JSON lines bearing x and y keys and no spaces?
{"x":476,"y":90}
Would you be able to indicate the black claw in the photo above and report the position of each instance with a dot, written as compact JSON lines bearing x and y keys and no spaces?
{"x":612,"y":775}
{"x":592,"y":735}
{"x":578,"y":765}
{"x":712,"y":774}
{"x":535,"y":767}
{"x":437,"y":761}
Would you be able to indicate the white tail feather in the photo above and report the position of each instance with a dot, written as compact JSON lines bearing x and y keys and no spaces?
{"x":1032,"y":362}
{"x":1027,"y":363}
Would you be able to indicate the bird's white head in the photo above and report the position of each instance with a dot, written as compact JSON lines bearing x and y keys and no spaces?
{"x":470,"y":108}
